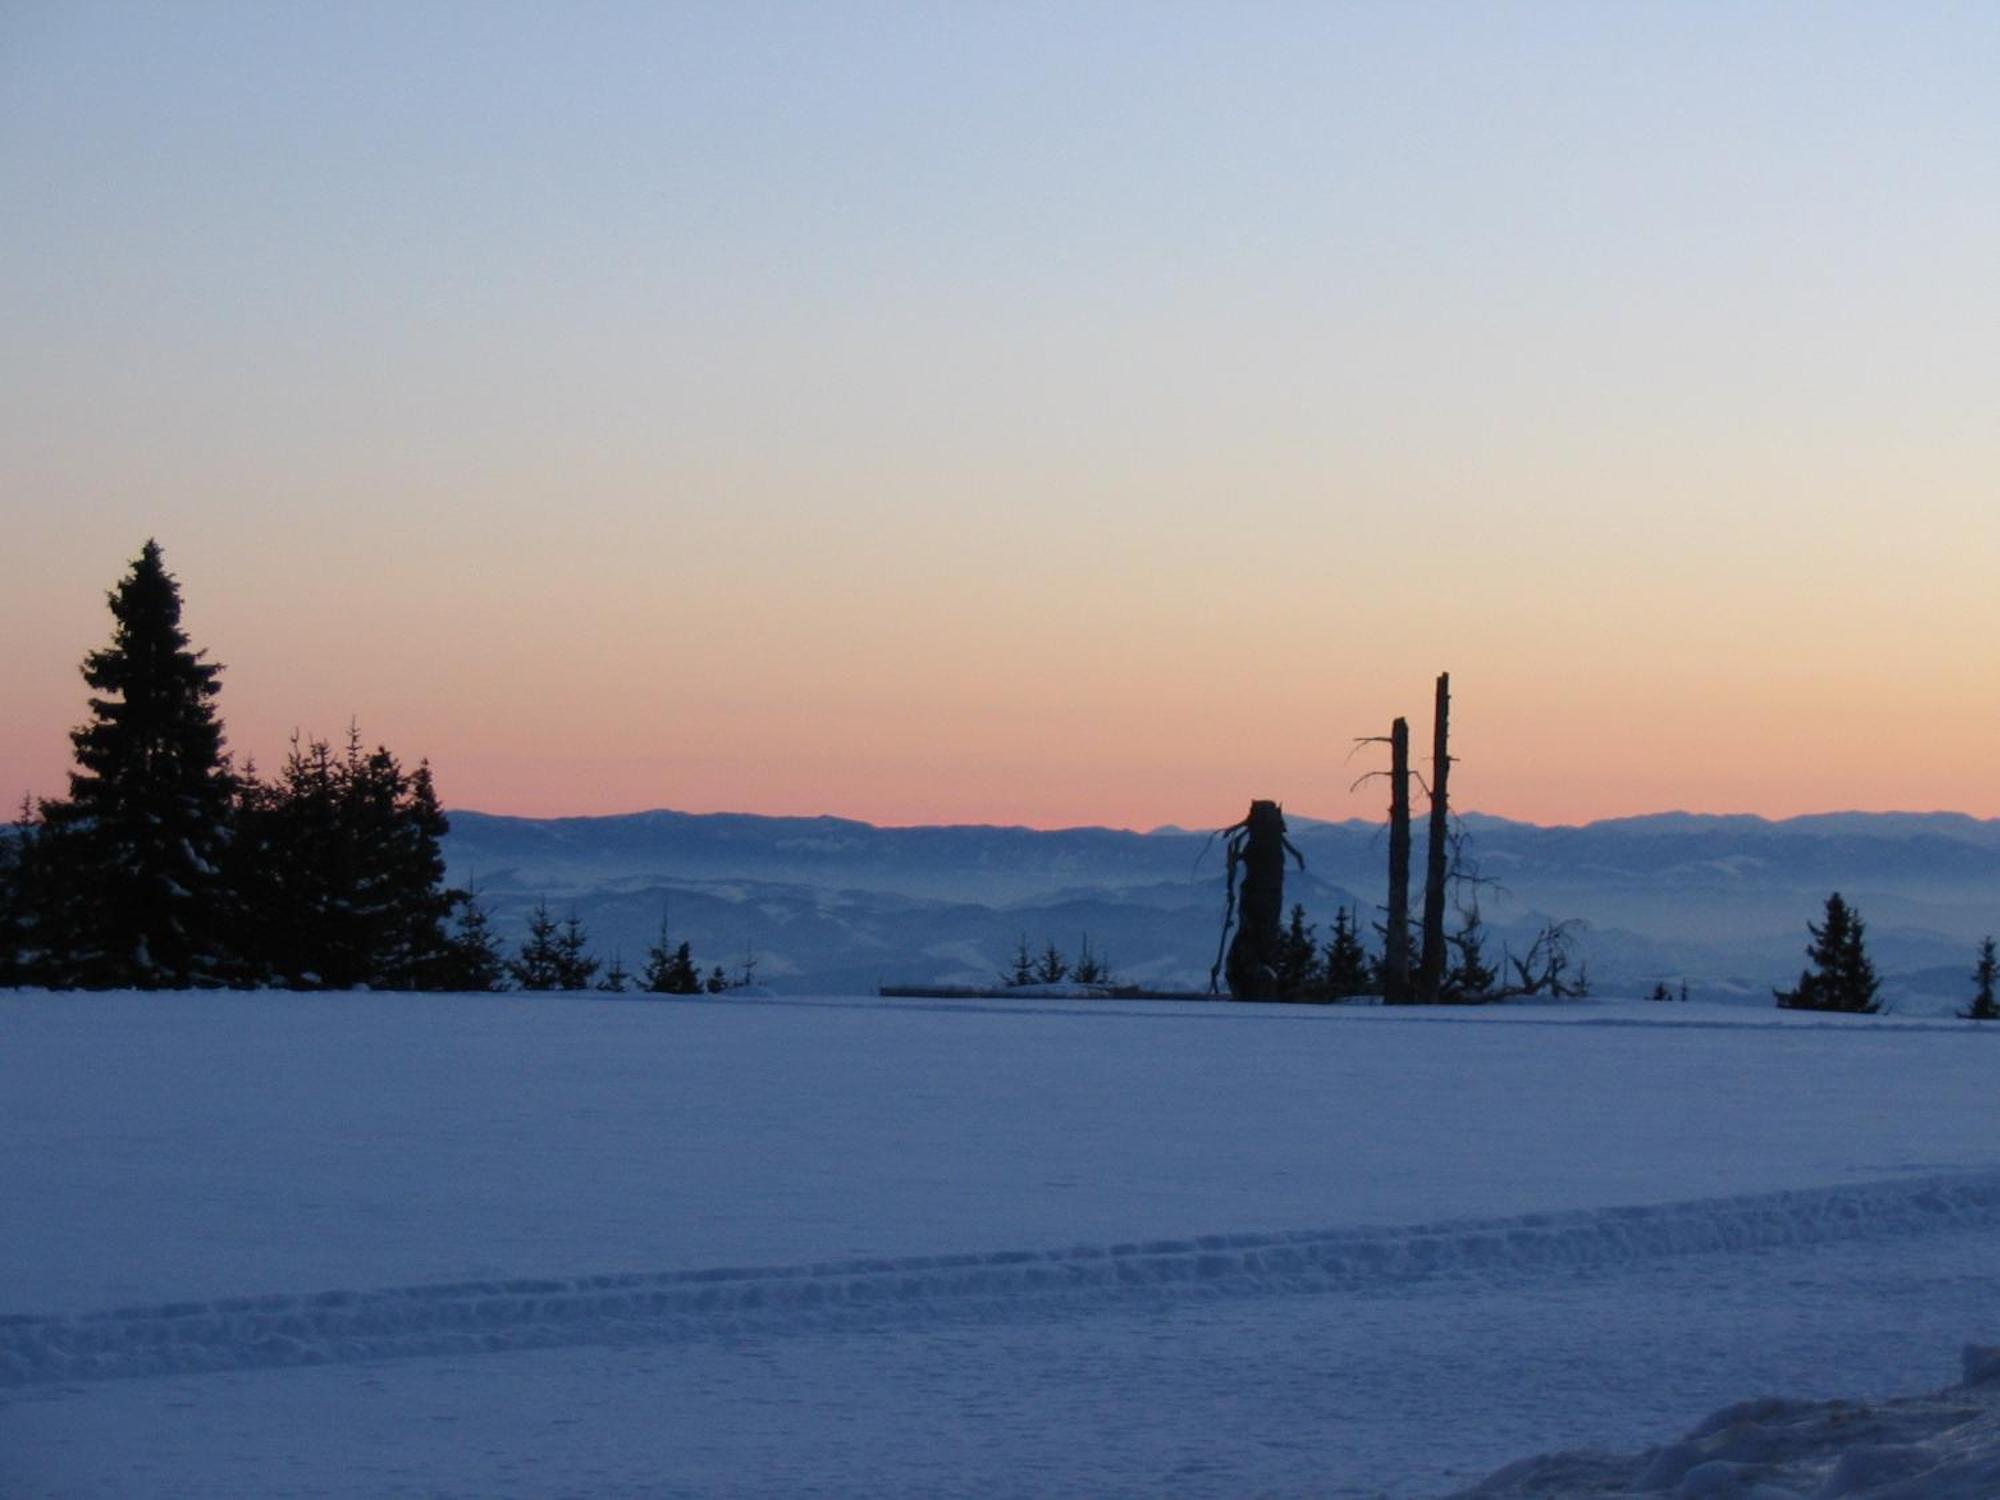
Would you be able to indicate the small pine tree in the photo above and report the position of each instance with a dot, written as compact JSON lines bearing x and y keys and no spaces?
{"x":539,"y":965}
{"x":682,"y":976}
{"x":716,"y":982}
{"x":1052,"y":967}
{"x":659,"y":960}
{"x":1839,"y":976}
{"x":1023,"y":969}
{"x":669,"y":971}
{"x":1090,"y":966}
{"x":1984,"y":976}
{"x":1660,"y":991}
{"x":473,"y":961}
{"x":1470,"y":977}
{"x":575,"y":967}
{"x":747,"y":976}
{"x":1348,"y":969}
{"x":615,"y":981}
{"x":1299,"y":975}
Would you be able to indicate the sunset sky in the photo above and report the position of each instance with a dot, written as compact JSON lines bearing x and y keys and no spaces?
{"x":1047,"y":414}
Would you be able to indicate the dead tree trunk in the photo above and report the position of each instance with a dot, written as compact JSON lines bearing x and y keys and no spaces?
{"x":1396,"y":940}
{"x":1256,"y":901}
{"x":1430,"y":970}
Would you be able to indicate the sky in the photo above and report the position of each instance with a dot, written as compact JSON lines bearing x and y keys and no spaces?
{"x":1015,"y":413}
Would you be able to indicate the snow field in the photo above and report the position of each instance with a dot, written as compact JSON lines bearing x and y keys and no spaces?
{"x":1256,"y":1245}
{"x":238,"y":1333}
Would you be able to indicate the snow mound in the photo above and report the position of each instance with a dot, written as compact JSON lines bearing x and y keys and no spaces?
{"x":1944,"y":1446}
{"x":456,"y":1318}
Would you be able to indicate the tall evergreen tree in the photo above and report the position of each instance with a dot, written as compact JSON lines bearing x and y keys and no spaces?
{"x":405,"y":904}
{"x":140,"y":840}
{"x":1984,"y":976}
{"x":293,"y":865}
{"x":1839,"y":975}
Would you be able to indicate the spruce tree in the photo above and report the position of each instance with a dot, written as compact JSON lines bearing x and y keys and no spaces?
{"x":404,"y":871}
{"x":615,"y":981}
{"x":539,"y":965}
{"x":294,"y":866}
{"x":1091,"y":967}
{"x":1983,"y":1007}
{"x":1298,"y":970}
{"x":669,"y":970}
{"x":1347,"y":967}
{"x":1051,"y":967}
{"x":141,"y":837}
{"x":341,"y":869}
{"x":680,"y":977}
{"x":1470,"y":976}
{"x":1839,"y":975}
{"x":1022,"y":970}
{"x":473,"y":962}
{"x":575,"y":968}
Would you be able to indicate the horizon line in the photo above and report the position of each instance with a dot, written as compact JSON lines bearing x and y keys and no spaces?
{"x":829,"y":817}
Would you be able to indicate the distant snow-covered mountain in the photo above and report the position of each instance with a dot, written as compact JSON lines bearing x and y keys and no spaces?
{"x":839,"y":905}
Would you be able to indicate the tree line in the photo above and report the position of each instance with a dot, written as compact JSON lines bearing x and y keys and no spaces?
{"x":166,"y":867}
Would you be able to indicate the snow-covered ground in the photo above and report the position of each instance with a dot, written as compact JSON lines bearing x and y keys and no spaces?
{"x":379,"y":1245}
{"x":1941,"y":1446}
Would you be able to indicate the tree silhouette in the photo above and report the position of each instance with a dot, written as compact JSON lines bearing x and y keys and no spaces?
{"x":1090,"y":967}
{"x":142,"y":833}
{"x":1839,"y":975}
{"x":1022,"y":969}
{"x":473,"y":962}
{"x":1470,"y":976}
{"x":539,"y":965}
{"x":1984,"y":975}
{"x":669,"y":970}
{"x":1051,"y":967}
{"x":1348,"y":969}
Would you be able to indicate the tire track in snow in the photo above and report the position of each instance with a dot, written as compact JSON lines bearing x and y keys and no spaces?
{"x":237,"y":1333}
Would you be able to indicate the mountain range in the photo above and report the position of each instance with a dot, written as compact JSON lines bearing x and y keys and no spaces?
{"x":838,"y":906}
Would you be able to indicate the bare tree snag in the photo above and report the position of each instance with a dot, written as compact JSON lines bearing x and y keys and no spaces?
{"x":1430,"y":970}
{"x":1257,"y":848}
{"x":1396,"y":940}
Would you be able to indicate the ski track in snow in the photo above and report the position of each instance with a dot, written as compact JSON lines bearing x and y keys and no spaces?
{"x":457,"y":1318}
